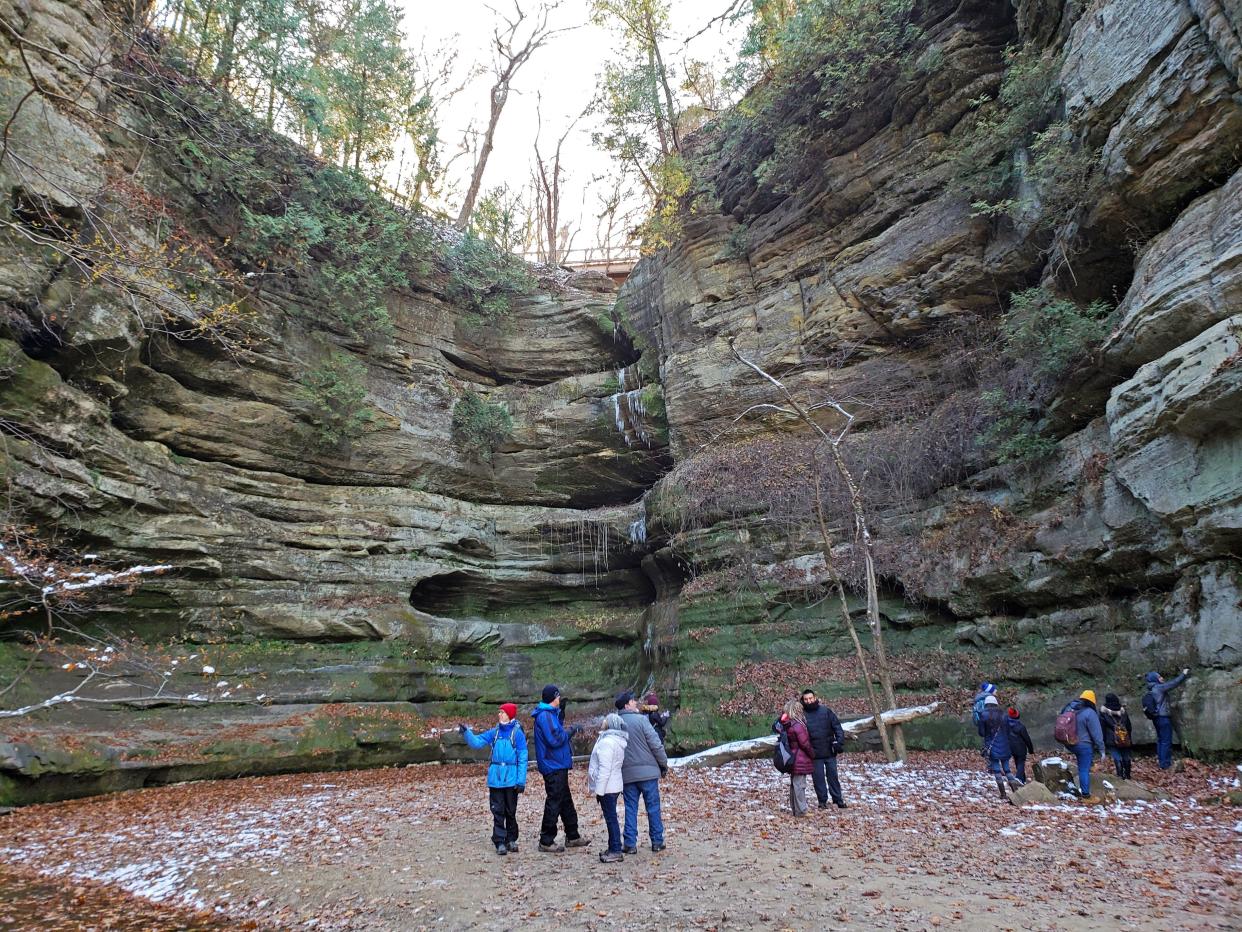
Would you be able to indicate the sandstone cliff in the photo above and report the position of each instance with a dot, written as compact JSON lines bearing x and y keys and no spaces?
{"x":342,"y":581}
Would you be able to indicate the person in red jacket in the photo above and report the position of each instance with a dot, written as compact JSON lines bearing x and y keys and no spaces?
{"x":794,"y":722}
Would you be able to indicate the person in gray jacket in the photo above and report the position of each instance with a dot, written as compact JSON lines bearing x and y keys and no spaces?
{"x":645,"y":763}
{"x":1156,"y":707}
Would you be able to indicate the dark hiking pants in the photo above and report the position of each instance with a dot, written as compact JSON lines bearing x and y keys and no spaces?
{"x":504,"y":814}
{"x":824,"y":776}
{"x":558,"y":806}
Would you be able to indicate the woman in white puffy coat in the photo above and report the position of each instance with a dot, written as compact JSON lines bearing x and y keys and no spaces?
{"x":604,"y":780}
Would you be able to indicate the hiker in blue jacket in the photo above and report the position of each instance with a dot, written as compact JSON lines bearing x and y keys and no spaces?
{"x":994,"y":729}
{"x":554,"y":755}
{"x":976,"y":706}
{"x":506,"y":774}
{"x":1156,"y":707}
{"x":1090,"y":735}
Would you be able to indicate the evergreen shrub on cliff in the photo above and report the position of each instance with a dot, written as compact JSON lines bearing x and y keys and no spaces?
{"x":1042,"y":337}
{"x":480,"y":427}
{"x":1013,"y":158}
{"x":336,"y":400}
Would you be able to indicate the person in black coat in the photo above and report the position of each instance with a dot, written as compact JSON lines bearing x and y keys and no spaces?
{"x":1019,"y":744}
{"x":1118,"y":736}
{"x":828,"y":740}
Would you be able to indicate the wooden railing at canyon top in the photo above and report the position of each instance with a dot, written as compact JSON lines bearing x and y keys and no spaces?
{"x":616,"y":262}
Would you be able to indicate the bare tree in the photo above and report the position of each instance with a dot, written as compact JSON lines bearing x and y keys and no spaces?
{"x":862,"y":533}
{"x":514,"y":46}
{"x":552,"y":240}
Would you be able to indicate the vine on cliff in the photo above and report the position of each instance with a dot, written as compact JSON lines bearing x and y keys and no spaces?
{"x":480,"y":427}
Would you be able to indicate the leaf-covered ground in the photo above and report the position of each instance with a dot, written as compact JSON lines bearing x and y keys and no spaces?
{"x":922,"y":846}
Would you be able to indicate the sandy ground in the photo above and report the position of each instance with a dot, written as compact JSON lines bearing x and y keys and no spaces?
{"x":921,"y":847}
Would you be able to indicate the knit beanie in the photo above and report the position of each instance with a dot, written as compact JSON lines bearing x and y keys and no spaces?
{"x":990,"y":700}
{"x":623,"y":699}
{"x":1013,"y":713}
{"x":651,"y":699}
{"x":987,"y":688}
{"x":510,"y":709}
{"x":1112,"y":701}
{"x":550,"y":692}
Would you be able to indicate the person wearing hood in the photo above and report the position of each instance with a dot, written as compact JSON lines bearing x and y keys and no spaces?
{"x":1156,"y":707}
{"x":1090,"y":743}
{"x":994,"y":729}
{"x":1115,"y":722}
{"x":605,"y":781}
{"x":828,"y":740}
{"x":554,"y":756}
{"x":506,"y":774}
{"x":1019,"y":744}
{"x":976,"y":706}
{"x":645,"y":763}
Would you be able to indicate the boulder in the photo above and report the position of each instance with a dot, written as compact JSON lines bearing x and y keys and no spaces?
{"x":1130,"y":790}
{"x":1033,"y":794}
{"x":1055,"y":774}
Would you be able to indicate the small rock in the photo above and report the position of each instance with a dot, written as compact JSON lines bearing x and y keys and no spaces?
{"x":1129,"y":790}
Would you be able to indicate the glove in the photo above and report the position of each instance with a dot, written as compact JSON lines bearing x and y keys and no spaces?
{"x":837,"y":748}
{"x":521,"y":787}
{"x":663,"y":771}
{"x":1186,"y":672}
{"x":462,"y":728}
{"x":572,"y":730}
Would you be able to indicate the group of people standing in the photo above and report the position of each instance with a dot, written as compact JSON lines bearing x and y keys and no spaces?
{"x":627,"y":763}
{"x":1087,"y":731}
{"x":815,"y":738}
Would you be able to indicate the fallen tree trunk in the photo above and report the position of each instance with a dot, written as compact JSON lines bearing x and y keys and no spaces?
{"x":758,"y":747}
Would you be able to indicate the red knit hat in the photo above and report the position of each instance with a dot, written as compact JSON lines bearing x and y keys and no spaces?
{"x":1013,"y":713}
{"x":509,"y":709}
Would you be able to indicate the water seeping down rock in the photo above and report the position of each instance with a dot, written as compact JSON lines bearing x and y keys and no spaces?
{"x":358,"y":586}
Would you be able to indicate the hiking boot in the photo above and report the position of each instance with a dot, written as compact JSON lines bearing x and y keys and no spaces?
{"x":1014,"y":783}
{"x":629,"y":849}
{"x":577,"y":842}
{"x":658,"y":846}
{"x":842,"y":806}
{"x":611,"y":857}
{"x":501,"y":849}
{"x":823,"y":804}
{"x":1000,"y":786}
{"x":513,"y":848}
{"x":552,"y":847}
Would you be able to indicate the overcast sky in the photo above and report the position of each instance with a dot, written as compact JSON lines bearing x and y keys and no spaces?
{"x":564,"y":73}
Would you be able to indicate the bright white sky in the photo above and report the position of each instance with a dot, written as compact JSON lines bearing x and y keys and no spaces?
{"x":564,"y":72}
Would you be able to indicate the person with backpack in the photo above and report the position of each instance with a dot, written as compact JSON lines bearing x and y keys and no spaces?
{"x":1115,"y":721}
{"x":802,"y":762}
{"x":1156,"y":707}
{"x":976,"y":707}
{"x":554,"y":756}
{"x":655,"y":715}
{"x":506,"y":774}
{"x":994,"y":729}
{"x":1078,"y":728}
{"x":828,"y":740}
{"x":1019,"y":744}
{"x":645,"y":763}
{"x":604,"y":780}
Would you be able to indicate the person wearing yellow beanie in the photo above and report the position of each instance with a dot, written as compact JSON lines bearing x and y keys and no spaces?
{"x":1088,"y":737}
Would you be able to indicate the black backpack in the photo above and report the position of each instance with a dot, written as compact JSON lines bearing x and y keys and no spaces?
{"x":1149,"y":705}
{"x":782,"y":754}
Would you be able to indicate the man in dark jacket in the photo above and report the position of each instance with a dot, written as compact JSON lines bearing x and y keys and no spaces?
{"x":554,"y":755}
{"x":645,"y":763}
{"x":828,"y":740}
{"x":1162,"y":714}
